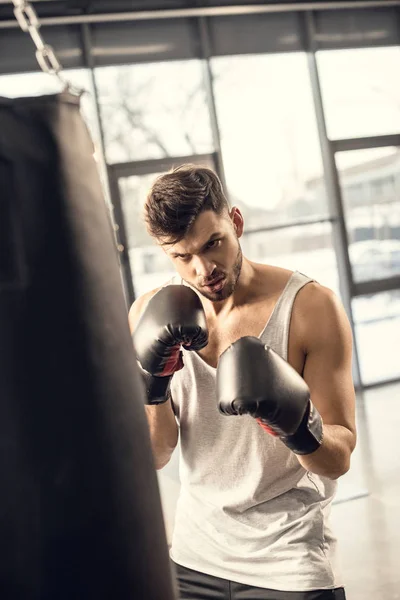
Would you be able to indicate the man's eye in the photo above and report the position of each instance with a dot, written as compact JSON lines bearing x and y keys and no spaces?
{"x":184,"y":258}
{"x":212,"y":244}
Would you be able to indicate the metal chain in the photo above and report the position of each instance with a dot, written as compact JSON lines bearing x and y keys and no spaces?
{"x":29,"y":22}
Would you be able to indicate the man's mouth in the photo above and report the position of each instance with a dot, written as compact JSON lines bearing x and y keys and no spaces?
{"x":216,"y":284}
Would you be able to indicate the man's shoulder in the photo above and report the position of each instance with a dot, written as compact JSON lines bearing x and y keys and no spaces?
{"x":141,"y":302}
{"x":138,"y":306}
{"x":318,"y":312}
{"x":316,"y":297}
{"x":271,"y":279}
{"x":144,"y":298}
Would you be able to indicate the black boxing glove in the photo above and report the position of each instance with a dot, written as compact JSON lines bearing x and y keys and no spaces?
{"x":253,"y":379}
{"x":173,"y":317}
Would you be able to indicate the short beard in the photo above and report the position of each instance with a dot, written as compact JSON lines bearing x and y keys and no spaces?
{"x":229,"y":286}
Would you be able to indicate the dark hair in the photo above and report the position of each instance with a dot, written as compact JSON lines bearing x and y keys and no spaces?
{"x":177,"y":198}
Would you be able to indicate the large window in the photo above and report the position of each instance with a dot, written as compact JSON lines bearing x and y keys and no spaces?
{"x":370,"y":186}
{"x":269,"y":137}
{"x":361,"y":91}
{"x":154,"y":110}
{"x":150,"y":266}
{"x":307,"y":248}
{"x":377,"y":323}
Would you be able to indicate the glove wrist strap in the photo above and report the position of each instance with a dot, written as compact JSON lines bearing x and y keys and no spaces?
{"x":157,"y":388}
{"x":308,"y":437}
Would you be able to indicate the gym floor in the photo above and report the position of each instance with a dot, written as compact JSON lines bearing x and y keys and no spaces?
{"x":368,"y":527}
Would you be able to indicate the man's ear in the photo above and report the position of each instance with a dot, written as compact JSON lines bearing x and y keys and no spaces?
{"x":237,"y":220}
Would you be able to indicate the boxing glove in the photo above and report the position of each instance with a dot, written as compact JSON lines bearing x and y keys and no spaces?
{"x":253,"y":379}
{"x":173,"y":317}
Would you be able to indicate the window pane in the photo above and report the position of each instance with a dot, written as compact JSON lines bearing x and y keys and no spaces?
{"x":370,"y":182}
{"x":36,"y":84}
{"x":269,"y":137}
{"x":154,"y":110}
{"x":150,"y":267}
{"x":377,"y":324}
{"x":307,"y":248}
{"x":361,"y":91}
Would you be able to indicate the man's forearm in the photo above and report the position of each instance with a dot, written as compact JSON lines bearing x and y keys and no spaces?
{"x":332,"y":459}
{"x":163,"y":432}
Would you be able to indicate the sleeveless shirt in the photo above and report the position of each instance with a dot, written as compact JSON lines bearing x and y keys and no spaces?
{"x":247,"y":510}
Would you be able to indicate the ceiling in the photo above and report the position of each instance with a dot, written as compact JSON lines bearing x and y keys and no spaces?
{"x":55,"y":8}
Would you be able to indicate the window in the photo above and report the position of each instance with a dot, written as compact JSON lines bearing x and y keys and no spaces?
{"x":149,"y":263}
{"x":150,"y":266}
{"x":360,"y":91}
{"x":269,"y":137}
{"x":383,"y":188}
{"x":154,"y":110}
{"x":354,"y":194}
{"x":377,"y":324}
{"x":306,"y":248}
{"x":373,"y":216}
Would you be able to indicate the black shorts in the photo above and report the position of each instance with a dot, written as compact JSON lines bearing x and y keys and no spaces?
{"x":198,"y":586}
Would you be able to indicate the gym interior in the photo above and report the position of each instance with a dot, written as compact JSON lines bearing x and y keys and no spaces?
{"x":296,"y":106}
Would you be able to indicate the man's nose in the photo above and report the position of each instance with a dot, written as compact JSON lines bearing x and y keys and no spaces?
{"x":204,"y":267}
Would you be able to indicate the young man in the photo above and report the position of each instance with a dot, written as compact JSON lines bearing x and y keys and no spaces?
{"x":251,"y":364}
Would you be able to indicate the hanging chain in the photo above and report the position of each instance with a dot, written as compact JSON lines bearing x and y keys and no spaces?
{"x":29,"y":22}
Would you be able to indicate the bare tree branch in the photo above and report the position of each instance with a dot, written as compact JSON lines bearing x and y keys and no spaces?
{"x":130,"y":105}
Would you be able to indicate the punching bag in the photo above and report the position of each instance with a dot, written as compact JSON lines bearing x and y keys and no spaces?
{"x":80,"y":513}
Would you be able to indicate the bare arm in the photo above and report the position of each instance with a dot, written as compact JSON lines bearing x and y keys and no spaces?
{"x":328,"y":373}
{"x":162,"y":424}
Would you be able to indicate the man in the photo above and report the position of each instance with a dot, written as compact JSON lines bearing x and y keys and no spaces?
{"x":251,"y":364}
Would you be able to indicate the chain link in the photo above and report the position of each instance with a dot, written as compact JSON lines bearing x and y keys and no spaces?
{"x":29,"y":23}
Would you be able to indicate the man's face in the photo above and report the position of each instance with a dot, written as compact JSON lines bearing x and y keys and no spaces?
{"x":209,"y":258}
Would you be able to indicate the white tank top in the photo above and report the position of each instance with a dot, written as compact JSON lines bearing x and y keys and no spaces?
{"x":247,"y":510}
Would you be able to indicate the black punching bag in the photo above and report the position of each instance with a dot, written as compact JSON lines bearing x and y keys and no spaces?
{"x":80,"y":513}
